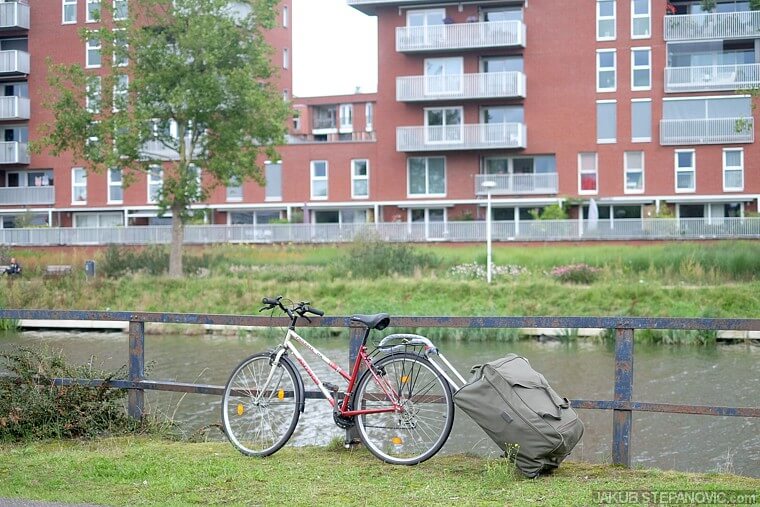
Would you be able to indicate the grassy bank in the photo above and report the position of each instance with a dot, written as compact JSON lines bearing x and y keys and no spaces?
{"x":136,"y":471}
{"x":677,"y":279}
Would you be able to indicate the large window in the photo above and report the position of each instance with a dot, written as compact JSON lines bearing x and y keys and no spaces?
{"x":641,"y":120}
{"x":588,"y":177}
{"x":606,"y":121}
{"x":78,"y":186}
{"x":369,"y":116}
{"x":120,"y":48}
{"x":115,"y":189}
{"x":120,"y":9}
{"x":155,"y":182}
{"x":273,"y":175}
{"x":69,"y":11}
{"x":93,"y":53}
{"x":641,"y":19}
{"x":443,"y":75}
{"x":641,"y":69}
{"x":120,"y":92}
{"x":319,"y":174}
{"x":425,"y":18}
{"x":443,"y":125}
{"x":733,"y":169}
{"x":605,"y":19}
{"x":606,"y":69}
{"x":346,"y":117}
{"x":360,"y":179}
{"x":234,"y":190}
{"x":707,"y":108}
{"x":427,"y":176}
{"x":685,"y":171}
{"x":634,"y":172}
{"x":93,"y":10}
{"x":93,"y":94}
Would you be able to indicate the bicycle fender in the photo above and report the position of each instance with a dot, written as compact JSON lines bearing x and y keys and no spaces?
{"x":299,"y":380}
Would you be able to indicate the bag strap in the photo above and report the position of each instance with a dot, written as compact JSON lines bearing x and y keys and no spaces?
{"x":558,"y":401}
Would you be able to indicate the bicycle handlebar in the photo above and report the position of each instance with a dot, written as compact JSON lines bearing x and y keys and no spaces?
{"x":301,"y":308}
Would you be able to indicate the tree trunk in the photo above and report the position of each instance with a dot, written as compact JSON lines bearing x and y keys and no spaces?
{"x":178,"y":236}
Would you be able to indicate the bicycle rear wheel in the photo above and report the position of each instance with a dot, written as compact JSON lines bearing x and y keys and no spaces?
{"x":260,"y":423}
{"x":417,"y":431}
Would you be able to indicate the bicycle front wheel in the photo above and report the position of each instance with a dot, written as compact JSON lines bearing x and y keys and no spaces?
{"x":259,"y":418}
{"x":417,"y":430}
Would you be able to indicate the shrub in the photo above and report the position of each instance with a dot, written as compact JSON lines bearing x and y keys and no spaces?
{"x":370,"y":257}
{"x":32,"y":407}
{"x":475,"y":271}
{"x":153,"y":260}
{"x":576,"y":273}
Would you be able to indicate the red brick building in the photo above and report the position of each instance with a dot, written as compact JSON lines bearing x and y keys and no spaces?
{"x":634,"y":103}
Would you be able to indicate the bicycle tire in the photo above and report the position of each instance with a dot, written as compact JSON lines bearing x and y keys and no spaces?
{"x":261,"y":428}
{"x":417,"y":432}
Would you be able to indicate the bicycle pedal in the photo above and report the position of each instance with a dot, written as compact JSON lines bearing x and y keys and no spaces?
{"x":331,"y":387}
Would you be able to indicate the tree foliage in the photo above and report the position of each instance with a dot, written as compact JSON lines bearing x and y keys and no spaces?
{"x":184,"y":85}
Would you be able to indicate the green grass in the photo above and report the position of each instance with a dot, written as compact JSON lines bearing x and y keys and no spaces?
{"x":139,"y":471}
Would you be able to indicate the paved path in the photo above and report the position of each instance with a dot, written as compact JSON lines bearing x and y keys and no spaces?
{"x":14,"y":502}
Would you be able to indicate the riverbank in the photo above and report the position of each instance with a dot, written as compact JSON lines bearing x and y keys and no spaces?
{"x":142,"y":471}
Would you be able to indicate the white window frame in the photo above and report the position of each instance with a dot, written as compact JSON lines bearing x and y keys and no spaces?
{"x":647,"y":68}
{"x":87,"y":17}
{"x":628,"y":169}
{"x":426,"y":13}
{"x":581,"y":172}
{"x":272,"y":198}
{"x":355,"y":178}
{"x":444,"y":139}
{"x":599,"y":69}
{"x":369,"y":116}
{"x":610,"y":140}
{"x":647,"y":16}
{"x":739,"y":169}
{"x":116,"y":9}
{"x":427,"y":178}
{"x":235,"y":185}
{"x":692,"y":169}
{"x":115,"y":61}
{"x":112,"y":184}
{"x":153,"y":183}
{"x":315,"y":179}
{"x":93,"y":44}
{"x":346,"y":118}
{"x":285,"y":16}
{"x":78,"y":186}
{"x":642,"y":139}
{"x":285,"y":58}
{"x":429,"y":89}
{"x":600,"y":18}
{"x":68,"y":3}
{"x":120,"y":92}
{"x":93,"y":94}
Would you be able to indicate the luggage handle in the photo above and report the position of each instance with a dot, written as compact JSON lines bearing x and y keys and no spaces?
{"x":562,"y":403}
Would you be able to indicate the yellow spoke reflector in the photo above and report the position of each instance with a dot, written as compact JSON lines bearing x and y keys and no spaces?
{"x":281,"y":394}
{"x":240,"y":409}
{"x":404,"y":379}
{"x":397,"y":441}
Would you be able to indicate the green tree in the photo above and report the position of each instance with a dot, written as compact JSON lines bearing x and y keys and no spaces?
{"x":185,"y":89}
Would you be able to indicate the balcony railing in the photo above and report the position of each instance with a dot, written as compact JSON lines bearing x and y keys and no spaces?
{"x":13,"y":152}
{"x":717,"y":25}
{"x":461,"y":137}
{"x":518,"y":184}
{"x":707,"y":131}
{"x":14,"y":108}
{"x":23,"y":196}
{"x":324,"y":123}
{"x":461,"y":86}
{"x":14,"y":15}
{"x":14,"y":62}
{"x":491,"y":34}
{"x":712,"y":78}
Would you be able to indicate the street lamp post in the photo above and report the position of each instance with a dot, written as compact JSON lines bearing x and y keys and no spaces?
{"x":488,"y":185}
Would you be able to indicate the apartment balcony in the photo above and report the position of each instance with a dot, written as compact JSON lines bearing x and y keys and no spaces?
{"x":461,"y":87}
{"x":14,"y":62}
{"x":14,"y":108}
{"x":716,"y":25}
{"x":23,"y":196}
{"x":518,"y":184}
{"x":459,"y":36}
{"x":13,"y":152}
{"x":462,"y":137}
{"x":707,"y":131}
{"x":14,"y":16}
{"x":712,"y":78}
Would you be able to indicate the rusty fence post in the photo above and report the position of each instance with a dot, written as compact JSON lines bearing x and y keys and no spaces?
{"x":136,"y":399}
{"x":622,"y":420}
{"x":356,"y":334}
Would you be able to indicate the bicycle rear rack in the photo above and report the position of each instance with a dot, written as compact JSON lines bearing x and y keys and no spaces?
{"x":402,"y":341}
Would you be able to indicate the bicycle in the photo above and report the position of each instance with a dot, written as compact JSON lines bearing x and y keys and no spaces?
{"x":400,"y":402}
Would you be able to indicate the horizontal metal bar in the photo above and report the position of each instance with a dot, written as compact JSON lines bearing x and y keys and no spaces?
{"x":401,"y":321}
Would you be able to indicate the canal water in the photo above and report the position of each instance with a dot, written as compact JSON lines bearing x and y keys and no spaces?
{"x":728,"y":375}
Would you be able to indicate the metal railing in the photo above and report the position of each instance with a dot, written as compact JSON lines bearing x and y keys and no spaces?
{"x":622,"y":405}
{"x":22,"y":196}
{"x":716,"y":25}
{"x":456,"y":232}
{"x":13,"y":152}
{"x":14,"y":108}
{"x":456,"y":36}
{"x":477,"y":136}
{"x":514,"y":184}
{"x":712,"y":77}
{"x":14,"y":62}
{"x":14,"y":15}
{"x":707,"y":131}
{"x":461,"y":86}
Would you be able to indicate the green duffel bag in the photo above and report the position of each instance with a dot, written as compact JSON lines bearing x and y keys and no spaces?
{"x":517,"y":408}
